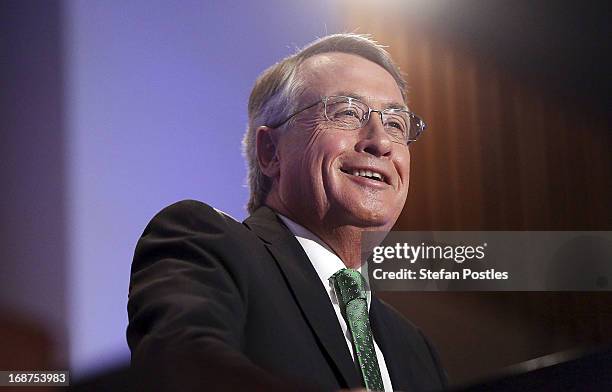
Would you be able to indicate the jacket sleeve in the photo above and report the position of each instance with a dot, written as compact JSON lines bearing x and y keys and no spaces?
{"x":187,"y":305}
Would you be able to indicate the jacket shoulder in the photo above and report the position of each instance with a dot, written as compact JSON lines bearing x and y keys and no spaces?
{"x":192,"y":214}
{"x":194,"y":232}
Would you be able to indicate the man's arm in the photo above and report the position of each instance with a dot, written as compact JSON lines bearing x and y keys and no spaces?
{"x":187,"y":305}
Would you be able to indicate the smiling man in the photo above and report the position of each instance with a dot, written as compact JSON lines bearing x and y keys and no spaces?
{"x":335,"y":180}
{"x":276,"y":302}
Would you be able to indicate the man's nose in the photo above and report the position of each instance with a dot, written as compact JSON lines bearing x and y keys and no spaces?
{"x":373,"y":138}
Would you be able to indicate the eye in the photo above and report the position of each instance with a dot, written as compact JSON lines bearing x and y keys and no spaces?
{"x":395,"y":127}
{"x":349,"y":112}
{"x":395,"y":124}
{"x":345,"y":112}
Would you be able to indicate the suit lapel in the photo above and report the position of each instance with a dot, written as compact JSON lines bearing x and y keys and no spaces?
{"x":397,"y":367}
{"x":307,"y":289}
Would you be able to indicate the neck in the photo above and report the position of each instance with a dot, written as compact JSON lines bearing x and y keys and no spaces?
{"x":345,"y":240}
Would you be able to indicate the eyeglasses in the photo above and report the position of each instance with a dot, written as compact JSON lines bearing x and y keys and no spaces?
{"x":349,"y":113}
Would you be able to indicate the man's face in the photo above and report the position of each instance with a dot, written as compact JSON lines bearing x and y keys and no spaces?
{"x":316,"y":182}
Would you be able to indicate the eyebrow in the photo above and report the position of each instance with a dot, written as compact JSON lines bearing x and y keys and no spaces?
{"x":390,"y":105}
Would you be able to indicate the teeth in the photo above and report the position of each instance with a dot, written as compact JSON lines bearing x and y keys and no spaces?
{"x":368,"y":174}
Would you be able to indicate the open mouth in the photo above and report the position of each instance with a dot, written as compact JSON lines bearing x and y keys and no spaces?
{"x":366,"y":173}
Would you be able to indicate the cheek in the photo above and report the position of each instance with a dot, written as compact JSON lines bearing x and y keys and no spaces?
{"x":330,"y":149}
{"x":323,"y":147}
{"x":302,"y":158}
{"x":403,"y":168}
{"x":309,"y":162}
{"x":321,"y":164}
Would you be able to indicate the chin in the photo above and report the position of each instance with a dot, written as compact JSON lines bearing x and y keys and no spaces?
{"x":374,"y":210}
{"x":372,"y":217}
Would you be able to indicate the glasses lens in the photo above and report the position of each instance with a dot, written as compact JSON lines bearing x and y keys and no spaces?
{"x":345,"y":112}
{"x":417,"y":126}
{"x":349,"y":113}
{"x":396,"y":124}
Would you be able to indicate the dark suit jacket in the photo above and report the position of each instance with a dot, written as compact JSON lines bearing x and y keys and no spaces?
{"x":231,"y":305}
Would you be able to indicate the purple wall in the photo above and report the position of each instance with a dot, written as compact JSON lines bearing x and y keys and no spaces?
{"x":156,"y":108}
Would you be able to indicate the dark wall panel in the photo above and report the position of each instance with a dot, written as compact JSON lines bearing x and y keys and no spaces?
{"x":32,"y":181}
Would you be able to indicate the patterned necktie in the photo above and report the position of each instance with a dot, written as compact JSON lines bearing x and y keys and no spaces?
{"x":350,"y":290}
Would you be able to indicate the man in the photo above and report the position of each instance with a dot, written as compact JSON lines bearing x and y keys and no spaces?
{"x":267,"y":304}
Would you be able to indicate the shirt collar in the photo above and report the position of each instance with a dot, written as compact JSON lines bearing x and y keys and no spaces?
{"x":323,"y":259}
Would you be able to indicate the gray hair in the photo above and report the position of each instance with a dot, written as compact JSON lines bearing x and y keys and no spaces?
{"x":274,"y":96}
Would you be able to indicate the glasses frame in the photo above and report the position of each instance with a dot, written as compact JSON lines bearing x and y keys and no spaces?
{"x":421,"y":126}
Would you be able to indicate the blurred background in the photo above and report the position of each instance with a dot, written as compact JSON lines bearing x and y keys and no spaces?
{"x":110,"y":110}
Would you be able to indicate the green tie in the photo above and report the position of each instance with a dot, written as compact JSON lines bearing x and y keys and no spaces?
{"x":350,"y":290}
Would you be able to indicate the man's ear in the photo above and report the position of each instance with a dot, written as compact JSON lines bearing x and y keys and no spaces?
{"x":267,"y":151}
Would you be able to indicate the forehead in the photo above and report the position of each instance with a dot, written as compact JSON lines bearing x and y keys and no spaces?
{"x":342,"y":73}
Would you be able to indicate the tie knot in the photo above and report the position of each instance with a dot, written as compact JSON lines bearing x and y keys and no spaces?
{"x":349,"y":284}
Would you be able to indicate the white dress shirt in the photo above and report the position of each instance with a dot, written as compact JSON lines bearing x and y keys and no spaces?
{"x":327,"y":263}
